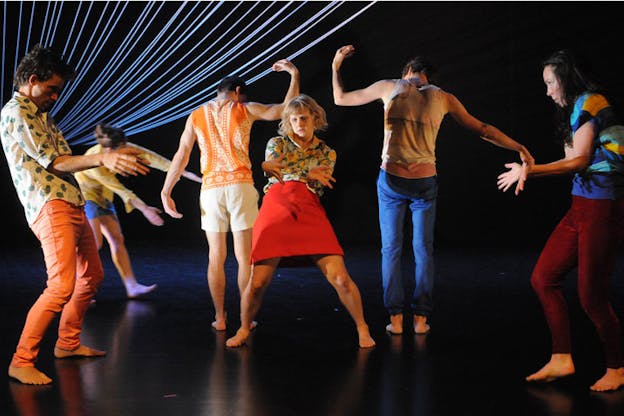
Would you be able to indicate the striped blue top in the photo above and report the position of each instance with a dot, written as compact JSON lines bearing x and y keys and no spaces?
{"x":604,"y":177}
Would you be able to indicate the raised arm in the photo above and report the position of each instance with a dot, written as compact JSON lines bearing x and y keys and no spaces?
{"x":270,"y":112}
{"x":378,"y":90}
{"x":178,"y":164}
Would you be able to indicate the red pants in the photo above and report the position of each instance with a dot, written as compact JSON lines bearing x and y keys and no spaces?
{"x":74,"y":274}
{"x":587,"y":237}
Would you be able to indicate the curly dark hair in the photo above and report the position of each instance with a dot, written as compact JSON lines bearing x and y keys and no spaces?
{"x":44,"y":63}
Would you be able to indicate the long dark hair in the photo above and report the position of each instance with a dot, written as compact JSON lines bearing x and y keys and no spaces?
{"x":574,"y":83}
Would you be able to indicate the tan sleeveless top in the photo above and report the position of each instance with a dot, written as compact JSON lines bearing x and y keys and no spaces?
{"x":412,"y":118}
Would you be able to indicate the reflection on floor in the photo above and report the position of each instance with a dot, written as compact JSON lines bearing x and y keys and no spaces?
{"x":165,"y":359}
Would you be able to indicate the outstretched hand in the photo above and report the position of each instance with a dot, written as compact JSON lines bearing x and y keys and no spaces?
{"x":341,"y":54}
{"x":513,"y":175}
{"x":125,"y":161}
{"x":152,"y":214}
{"x":169,"y":206}
{"x":323,"y":175}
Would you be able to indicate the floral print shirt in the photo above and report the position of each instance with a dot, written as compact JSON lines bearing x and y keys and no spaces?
{"x":31,"y":142}
{"x":299,"y":161}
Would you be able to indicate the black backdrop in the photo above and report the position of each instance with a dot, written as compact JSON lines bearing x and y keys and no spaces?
{"x":488,"y":54}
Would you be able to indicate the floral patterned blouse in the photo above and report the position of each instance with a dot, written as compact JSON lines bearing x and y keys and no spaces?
{"x":299,"y":161}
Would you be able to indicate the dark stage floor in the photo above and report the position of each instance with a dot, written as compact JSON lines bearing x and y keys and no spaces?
{"x":164,"y":358}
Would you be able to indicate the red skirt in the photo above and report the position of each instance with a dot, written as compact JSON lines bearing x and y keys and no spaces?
{"x":292,"y":223}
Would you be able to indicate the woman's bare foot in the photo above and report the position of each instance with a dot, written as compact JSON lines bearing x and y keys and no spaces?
{"x":613,"y":379}
{"x":28,"y":375}
{"x":137,"y":290}
{"x":560,"y":365}
{"x":81,"y":351}
{"x":365,"y":339}
{"x":395,"y":327}
{"x":239,"y":339}
{"x":420,"y":325}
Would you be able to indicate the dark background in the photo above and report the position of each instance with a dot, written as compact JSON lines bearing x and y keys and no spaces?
{"x":488,"y":54}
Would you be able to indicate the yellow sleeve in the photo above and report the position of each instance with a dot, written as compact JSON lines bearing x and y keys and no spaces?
{"x":156,"y":161}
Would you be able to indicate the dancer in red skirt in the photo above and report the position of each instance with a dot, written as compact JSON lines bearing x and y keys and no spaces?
{"x":292,"y":222}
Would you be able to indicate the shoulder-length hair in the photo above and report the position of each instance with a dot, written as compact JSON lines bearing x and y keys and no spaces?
{"x":297,"y":104}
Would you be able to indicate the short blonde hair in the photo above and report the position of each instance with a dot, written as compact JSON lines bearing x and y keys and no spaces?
{"x":296,"y":105}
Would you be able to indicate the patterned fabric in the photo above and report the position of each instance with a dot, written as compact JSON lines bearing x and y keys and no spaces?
{"x":223,"y":128}
{"x":604,"y":178}
{"x":299,"y":161}
{"x":100,"y":185}
{"x":31,"y":141}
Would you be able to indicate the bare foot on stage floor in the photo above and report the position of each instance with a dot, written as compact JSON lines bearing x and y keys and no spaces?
{"x":420,"y":325}
{"x":239,"y":339}
{"x":612,"y":380}
{"x":28,"y":375}
{"x":137,"y":290}
{"x":365,"y":339}
{"x":81,"y":351}
{"x":220,"y":323}
{"x":560,"y":365}
{"x":395,"y":327}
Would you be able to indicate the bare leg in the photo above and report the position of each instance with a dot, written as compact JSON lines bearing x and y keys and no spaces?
{"x":612,"y":380}
{"x":560,"y":365}
{"x":242,"y":251}
{"x":217,"y":253}
{"x":109,"y":226}
{"x":334,"y":269}
{"x":252,"y":299}
{"x":420,"y":325}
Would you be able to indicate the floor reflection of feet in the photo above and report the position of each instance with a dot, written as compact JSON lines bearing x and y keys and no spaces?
{"x":139,"y":309}
{"x":25,"y":398}
{"x":613,"y":402}
{"x":558,"y":402}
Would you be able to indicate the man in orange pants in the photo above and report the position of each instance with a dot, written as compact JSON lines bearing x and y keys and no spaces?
{"x":42,"y":167}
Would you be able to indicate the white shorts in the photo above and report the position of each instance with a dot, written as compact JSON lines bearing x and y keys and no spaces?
{"x":231,"y":207}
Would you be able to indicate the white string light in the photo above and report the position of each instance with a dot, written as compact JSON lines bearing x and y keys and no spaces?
{"x":142,"y":65}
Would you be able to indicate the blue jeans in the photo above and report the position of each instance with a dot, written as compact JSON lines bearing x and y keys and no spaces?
{"x":394,"y":195}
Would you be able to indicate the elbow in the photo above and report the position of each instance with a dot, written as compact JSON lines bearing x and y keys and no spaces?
{"x":582,"y":163}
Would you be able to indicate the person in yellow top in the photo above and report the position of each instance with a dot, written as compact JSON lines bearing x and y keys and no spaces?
{"x":99,"y":187}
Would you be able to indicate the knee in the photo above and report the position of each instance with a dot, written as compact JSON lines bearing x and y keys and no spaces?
{"x":256,"y":286}
{"x":538,"y":282}
{"x":116,"y":240}
{"x":593,"y":303}
{"x":341,"y":281}
{"x":391,"y":250}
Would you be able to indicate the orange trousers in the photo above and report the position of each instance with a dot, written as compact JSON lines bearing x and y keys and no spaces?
{"x":74,"y":273}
